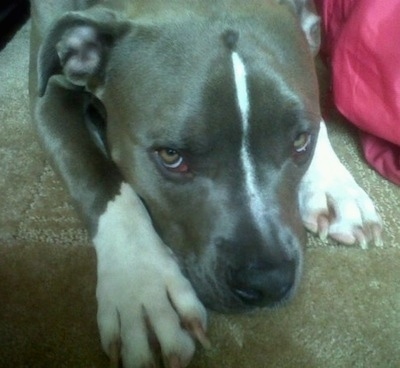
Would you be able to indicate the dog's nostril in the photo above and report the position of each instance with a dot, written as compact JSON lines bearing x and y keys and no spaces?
{"x":263,"y":286}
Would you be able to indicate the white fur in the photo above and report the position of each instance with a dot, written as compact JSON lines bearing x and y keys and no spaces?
{"x":138,"y":276}
{"x":241,"y":89}
{"x":328,"y":185}
{"x":256,"y":203}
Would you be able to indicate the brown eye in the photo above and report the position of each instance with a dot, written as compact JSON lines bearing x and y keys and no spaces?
{"x":302,"y":142}
{"x":172,"y":160}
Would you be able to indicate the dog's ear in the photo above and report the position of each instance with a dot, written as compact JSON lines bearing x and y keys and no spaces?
{"x":310,"y":22}
{"x":77,"y":46}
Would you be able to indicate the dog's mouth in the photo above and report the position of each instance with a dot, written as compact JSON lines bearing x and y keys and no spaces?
{"x":227,"y":300}
{"x":266,"y":286}
{"x":228,"y":290}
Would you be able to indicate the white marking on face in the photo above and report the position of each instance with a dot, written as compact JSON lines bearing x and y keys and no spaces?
{"x":241,"y":89}
{"x":253,"y":191}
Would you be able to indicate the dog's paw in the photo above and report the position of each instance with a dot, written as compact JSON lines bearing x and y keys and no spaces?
{"x":341,"y":210}
{"x":148,"y":311}
{"x":333,"y":204}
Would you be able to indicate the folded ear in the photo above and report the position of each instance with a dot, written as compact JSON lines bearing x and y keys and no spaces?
{"x":310,"y":22}
{"x":77,"y":46}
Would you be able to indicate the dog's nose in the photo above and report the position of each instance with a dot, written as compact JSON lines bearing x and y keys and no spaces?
{"x":260,"y":286}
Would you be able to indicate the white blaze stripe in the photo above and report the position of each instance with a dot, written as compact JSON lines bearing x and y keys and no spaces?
{"x":241,"y":89}
{"x":256,"y":203}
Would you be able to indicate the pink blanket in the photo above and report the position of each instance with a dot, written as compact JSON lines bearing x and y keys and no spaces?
{"x":362,"y":44}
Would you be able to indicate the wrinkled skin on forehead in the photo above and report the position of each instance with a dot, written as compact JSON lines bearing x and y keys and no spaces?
{"x":191,"y":106}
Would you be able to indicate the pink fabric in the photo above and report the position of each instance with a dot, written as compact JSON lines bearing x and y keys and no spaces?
{"x":383,"y":156}
{"x":362,"y":44}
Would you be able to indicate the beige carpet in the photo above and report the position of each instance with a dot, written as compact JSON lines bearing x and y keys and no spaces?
{"x":347,"y":313}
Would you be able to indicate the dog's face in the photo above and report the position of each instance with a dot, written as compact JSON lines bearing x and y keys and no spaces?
{"x":213,"y":123}
{"x":222,"y":195}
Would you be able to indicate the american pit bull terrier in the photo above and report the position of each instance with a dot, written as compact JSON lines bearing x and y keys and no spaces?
{"x":189,"y":135}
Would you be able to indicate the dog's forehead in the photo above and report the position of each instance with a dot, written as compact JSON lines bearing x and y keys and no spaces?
{"x":187,"y":76}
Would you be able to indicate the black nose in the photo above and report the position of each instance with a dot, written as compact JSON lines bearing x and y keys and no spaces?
{"x":263,"y":285}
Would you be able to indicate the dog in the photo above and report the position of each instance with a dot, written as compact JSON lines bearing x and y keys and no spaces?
{"x":190,"y":137}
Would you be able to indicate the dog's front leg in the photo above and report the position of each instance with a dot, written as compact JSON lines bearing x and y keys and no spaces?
{"x":142,"y":294}
{"x":141,"y":291}
{"x":332,"y":203}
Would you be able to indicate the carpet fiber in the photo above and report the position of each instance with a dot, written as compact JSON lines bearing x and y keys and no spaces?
{"x":347,"y":313}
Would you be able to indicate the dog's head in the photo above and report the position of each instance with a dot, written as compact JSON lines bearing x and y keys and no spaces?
{"x":212,"y":117}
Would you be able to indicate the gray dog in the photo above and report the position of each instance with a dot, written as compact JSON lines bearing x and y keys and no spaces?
{"x":190,"y":137}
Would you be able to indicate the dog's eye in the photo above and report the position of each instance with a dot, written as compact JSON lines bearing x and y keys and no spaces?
{"x":302,"y":142}
{"x":172,"y":160}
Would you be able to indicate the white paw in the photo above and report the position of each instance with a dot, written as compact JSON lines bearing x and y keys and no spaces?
{"x":333,"y":204}
{"x":147,"y":310}
{"x":147,"y":314}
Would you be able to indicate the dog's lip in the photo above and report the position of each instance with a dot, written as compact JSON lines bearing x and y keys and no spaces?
{"x":255,"y":298}
{"x":219,"y":297}
{"x":231,"y":303}
{"x":250,"y":295}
